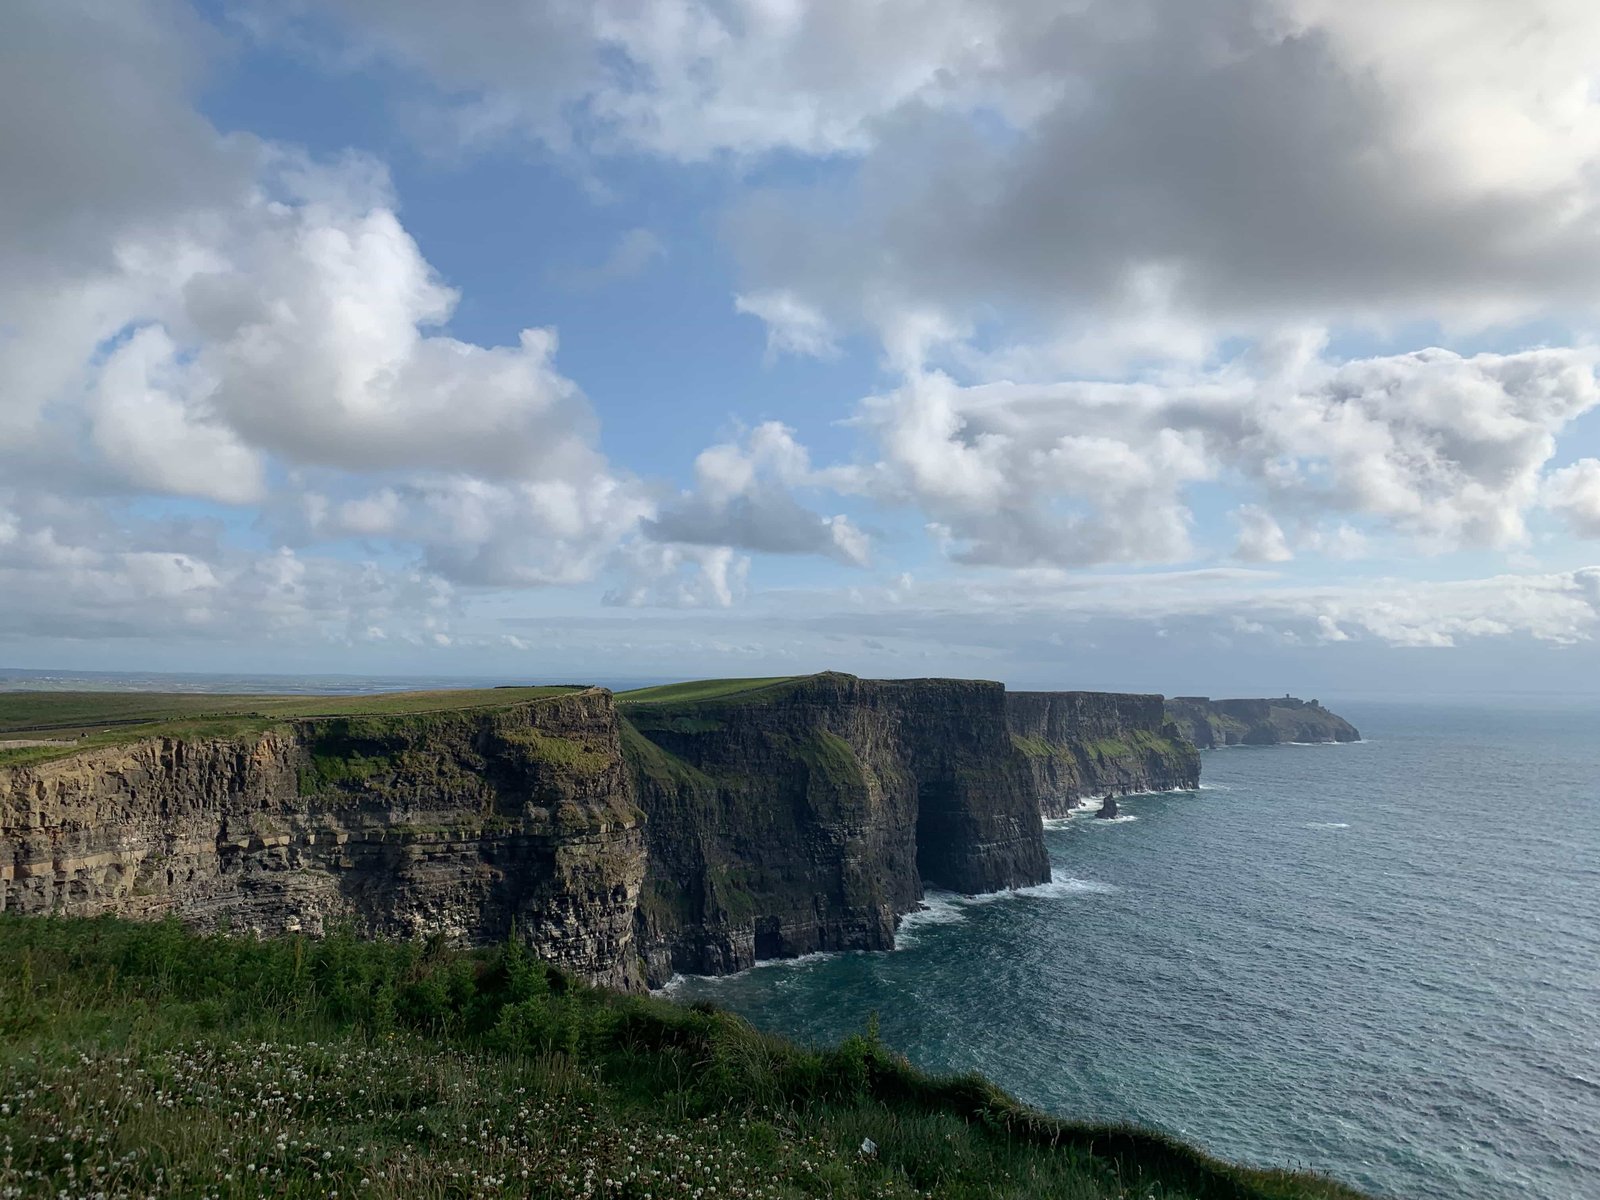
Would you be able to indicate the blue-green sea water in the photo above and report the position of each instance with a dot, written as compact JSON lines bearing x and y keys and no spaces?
{"x":1379,"y":960}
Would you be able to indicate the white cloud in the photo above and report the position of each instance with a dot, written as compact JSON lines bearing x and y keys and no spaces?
{"x":744,"y":498}
{"x":1343,"y":542}
{"x":1574,"y":493}
{"x":689,"y":79}
{"x":309,"y":337}
{"x":680,"y":576}
{"x":153,"y":426}
{"x":1261,"y":538}
{"x":240,"y":315}
{"x":82,"y":571}
{"x":1560,"y":608}
{"x":1444,"y":450}
{"x":1213,"y":170}
{"x":793,"y":326}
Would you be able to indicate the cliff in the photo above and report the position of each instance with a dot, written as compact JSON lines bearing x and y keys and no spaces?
{"x":696,"y":827}
{"x":1209,"y":723}
{"x":809,"y":814}
{"x":1080,"y":744}
{"x":456,"y":823}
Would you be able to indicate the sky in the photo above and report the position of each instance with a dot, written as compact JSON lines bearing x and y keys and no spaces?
{"x":1197,"y":346}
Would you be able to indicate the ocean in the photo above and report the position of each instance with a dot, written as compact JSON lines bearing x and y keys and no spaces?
{"x":1380,"y":960}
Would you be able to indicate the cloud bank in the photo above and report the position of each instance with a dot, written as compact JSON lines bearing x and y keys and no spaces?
{"x":1278,"y":298}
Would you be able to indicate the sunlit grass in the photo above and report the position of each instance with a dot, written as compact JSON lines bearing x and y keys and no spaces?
{"x":701,"y":689}
{"x":70,"y":722}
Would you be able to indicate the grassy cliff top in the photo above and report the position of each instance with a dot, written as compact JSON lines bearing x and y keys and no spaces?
{"x":38,"y":726}
{"x":695,"y":690}
{"x":138,"y":1059}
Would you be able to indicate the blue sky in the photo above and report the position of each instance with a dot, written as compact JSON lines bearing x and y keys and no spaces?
{"x":1242,"y":346}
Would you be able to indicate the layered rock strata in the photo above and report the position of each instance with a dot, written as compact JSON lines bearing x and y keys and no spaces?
{"x":1079,"y":744}
{"x":464,"y":824}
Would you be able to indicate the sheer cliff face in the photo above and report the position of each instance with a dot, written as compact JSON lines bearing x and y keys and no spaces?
{"x":1209,"y":723}
{"x":455,"y":823}
{"x":809,"y":817}
{"x":1080,"y":744}
{"x":804,"y":816}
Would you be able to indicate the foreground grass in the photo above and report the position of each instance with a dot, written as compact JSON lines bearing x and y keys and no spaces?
{"x":139,"y":1060}
{"x":84,"y":720}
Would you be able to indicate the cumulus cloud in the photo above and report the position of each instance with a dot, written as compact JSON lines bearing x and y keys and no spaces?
{"x":225,"y":316}
{"x":1261,"y":538}
{"x":1574,"y":494}
{"x":80,"y":570}
{"x":1224,"y":166}
{"x":744,"y":498}
{"x":308,"y":336}
{"x":793,"y":326}
{"x":685,"y":79}
{"x":1443,"y":449}
{"x":679,"y":576}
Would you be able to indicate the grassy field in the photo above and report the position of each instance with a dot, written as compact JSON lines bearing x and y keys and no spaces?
{"x":75,"y":721}
{"x":139,"y":1060}
{"x":701,"y":689}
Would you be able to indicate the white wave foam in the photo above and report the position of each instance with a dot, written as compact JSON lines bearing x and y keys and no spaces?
{"x":1327,"y":824}
{"x":680,"y":978}
{"x":938,"y":908}
{"x":1123,"y":819}
{"x":674,"y":985}
{"x":800,"y":960}
{"x":949,"y":908}
{"x":1067,"y":885}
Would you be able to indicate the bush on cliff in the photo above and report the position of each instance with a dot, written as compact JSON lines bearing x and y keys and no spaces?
{"x":141,"y":1060}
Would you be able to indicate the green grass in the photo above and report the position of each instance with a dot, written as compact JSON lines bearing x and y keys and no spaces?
{"x":833,"y":758}
{"x":663,"y":768}
{"x":703,"y":689}
{"x":141,"y":1060}
{"x":1038,"y":747}
{"x":85,"y":720}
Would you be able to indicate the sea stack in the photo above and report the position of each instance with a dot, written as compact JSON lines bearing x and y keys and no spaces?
{"x":1108,"y":808}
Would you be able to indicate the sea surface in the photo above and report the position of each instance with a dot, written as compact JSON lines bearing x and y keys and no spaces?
{"x":1379,"y":960}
